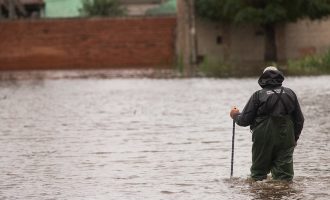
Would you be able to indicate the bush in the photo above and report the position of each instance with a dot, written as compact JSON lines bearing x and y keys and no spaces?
{"x":310,"y":65}
{"x":215,"y":68}
{"x":108,"y":8}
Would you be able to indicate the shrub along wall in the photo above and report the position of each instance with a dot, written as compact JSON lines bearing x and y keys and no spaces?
{"x":87,"y":43}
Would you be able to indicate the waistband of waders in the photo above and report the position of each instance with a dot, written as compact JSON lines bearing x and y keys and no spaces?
{"x":263,"y":118}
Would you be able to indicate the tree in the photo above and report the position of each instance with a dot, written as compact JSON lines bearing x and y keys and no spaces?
{"x":110,"y":8}
{"x":265,"y":13}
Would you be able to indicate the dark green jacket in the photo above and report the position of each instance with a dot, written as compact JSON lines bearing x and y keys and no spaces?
{"x":262,"y":103}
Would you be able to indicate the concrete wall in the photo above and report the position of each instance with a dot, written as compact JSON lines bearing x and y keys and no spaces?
{"x":139,"y":9}
{"x":244,"y":44}
{"x":207,"y":33}
{"x":238,"y":44}
{"x":88,"y":43}
{"x":306,"y":37}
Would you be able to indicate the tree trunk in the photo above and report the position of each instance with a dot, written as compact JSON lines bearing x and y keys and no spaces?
{"x":270,"y":43}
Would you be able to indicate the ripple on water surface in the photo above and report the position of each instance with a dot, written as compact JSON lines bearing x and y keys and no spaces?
{"x":113,"y":138}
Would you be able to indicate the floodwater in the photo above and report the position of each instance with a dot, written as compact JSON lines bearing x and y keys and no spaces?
{"x":100,"y":137}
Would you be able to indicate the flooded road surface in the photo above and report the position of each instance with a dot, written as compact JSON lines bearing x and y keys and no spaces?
{"x":113,"y":138}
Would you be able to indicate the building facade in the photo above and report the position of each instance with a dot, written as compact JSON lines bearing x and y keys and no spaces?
{"x":71,"y":8}
{"x":62,"y":8}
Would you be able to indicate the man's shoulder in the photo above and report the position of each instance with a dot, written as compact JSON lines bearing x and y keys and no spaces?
{"x":289,"y":90}
{"x":256,"y":92}
{"x":261,"y":91}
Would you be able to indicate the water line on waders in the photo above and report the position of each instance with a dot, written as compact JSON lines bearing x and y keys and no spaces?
{"x":232,"y":151}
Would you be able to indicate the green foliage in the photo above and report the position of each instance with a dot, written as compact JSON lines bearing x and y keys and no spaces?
{"x":109,"y":8}
{"x":310,"y":65}
{"x":262,"y":11}
{"x":215,"y":68}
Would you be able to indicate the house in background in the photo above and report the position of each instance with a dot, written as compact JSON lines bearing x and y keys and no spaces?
{"x":13,"y":9}
{"x":165,"y":8}
{"x":140,"y":7}
{"x":62,"y":8}
{"x":71,"y":8}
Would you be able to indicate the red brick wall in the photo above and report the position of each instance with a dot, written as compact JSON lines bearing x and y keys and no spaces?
{"x":87,"y":43}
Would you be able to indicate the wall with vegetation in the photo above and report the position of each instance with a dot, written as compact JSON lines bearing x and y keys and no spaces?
{"x":244,"y":44}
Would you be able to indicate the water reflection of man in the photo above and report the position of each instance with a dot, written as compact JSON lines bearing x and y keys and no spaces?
{"x":276,"y":121}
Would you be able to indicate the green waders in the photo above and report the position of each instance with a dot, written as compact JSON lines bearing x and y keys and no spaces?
{"x":273,"y":145}
{"x":272,"y":149}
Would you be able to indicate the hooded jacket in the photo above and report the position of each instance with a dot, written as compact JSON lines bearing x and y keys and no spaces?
{"x":265,"y":103}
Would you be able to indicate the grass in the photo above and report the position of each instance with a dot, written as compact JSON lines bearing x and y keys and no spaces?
{"x":214,"y":68}
{"x":310,"y":65}
{"x":317,"y":64}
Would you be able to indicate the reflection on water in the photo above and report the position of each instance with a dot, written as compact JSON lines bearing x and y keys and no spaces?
{"x":68,"y":135}
{"x":267,"y":189}
{"x":299,"y":188}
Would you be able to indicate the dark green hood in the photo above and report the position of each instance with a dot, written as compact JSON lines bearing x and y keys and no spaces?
{"x":271,"y":78}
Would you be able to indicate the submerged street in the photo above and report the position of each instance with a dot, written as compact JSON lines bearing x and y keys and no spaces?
{"x":81,"y":137}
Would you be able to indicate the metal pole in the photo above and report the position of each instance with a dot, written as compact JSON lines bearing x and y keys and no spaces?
{"x":232,"y":151}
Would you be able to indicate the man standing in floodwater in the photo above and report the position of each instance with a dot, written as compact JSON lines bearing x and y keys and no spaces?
{"x":276,"y":121}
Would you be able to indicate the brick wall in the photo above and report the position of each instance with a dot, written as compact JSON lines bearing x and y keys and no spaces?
{"x":87,"y":43}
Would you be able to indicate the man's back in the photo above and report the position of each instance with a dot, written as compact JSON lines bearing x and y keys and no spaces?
{"x":276,"y":121}
{"x":285,"y":101}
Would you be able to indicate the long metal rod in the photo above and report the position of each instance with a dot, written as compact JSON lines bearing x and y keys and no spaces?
{"x":232,"y":151}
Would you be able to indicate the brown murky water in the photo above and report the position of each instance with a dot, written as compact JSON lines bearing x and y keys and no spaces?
{"x":81,"y":137}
